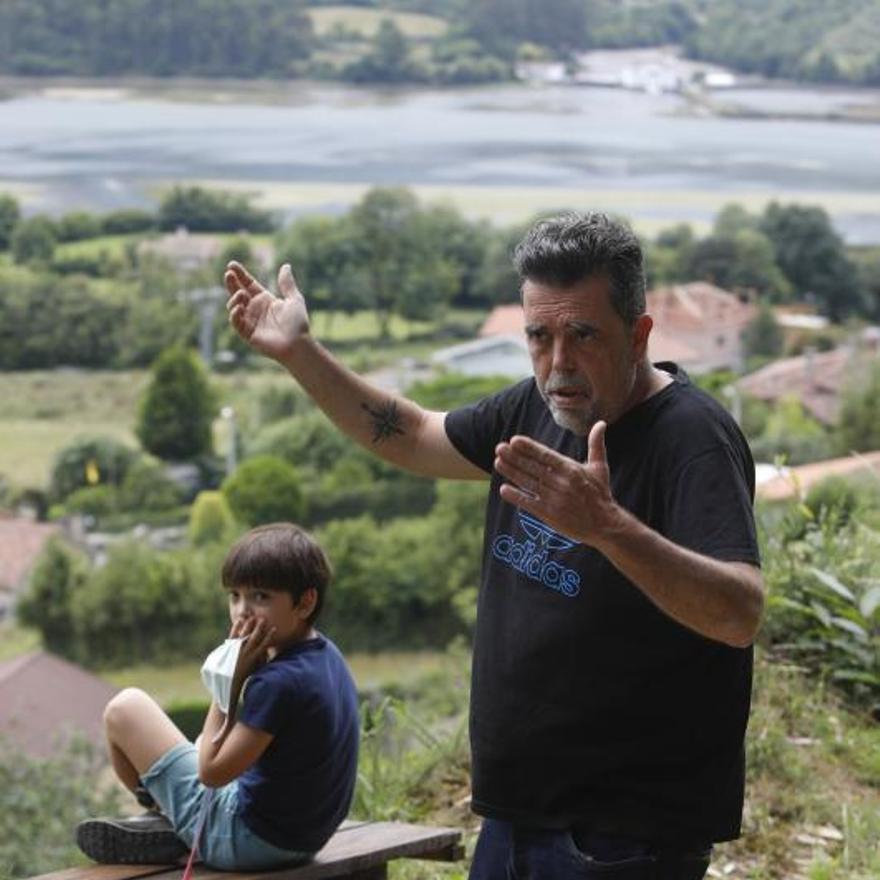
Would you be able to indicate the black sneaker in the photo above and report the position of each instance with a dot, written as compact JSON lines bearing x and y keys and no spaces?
{"x":144,"y":840}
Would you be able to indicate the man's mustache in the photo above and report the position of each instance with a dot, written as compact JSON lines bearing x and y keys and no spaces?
{"x":558,"y":381}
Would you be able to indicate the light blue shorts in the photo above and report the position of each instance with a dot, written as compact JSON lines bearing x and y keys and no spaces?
{"x":226,"y":842}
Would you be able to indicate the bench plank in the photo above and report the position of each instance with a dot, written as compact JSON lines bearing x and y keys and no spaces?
{"x":358,"y":848}
{"x":105,"y":872}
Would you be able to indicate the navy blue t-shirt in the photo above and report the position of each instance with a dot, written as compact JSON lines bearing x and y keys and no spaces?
{"x":299,"y":790}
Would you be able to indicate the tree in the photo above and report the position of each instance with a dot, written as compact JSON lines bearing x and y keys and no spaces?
{"x":33,"y":240}
{"x":858,"y":426}
{"x":264,"y":489}
{"x":741,"y":261}
{"x":204,"y":210}
{"x":763,"y":335}
{"x":813,"y":258}
{"x":177,"y":409}
{"x":210,"y":518}
{"x":388,"y":58}
{"x":46,"y":604}
{"x":9,"y":217}
{"x":91,"y":461}
{"x":41,"y":800}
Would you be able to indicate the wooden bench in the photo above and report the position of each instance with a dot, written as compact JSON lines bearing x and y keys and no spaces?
{"x":358,"y":850}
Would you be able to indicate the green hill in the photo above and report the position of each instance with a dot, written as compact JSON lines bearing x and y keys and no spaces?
{"x":798,"y":39}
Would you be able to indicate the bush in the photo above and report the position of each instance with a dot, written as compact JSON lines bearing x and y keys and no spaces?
{"x":189,"y":716}
{"x":94,"y":501}
{"x":309,"y":441}
{"x":127,"y":221}
{"x":41,"y":801}
{"x":146,"y":487}
{"x":33,"y":240}
{"x":10,"y":215}
{"x":823,"y":607}
{"x":202,"y":210}
{"x":89,"y":462}
{"x":177,"y":410}
{"x":78,"y":226}
{"x":210,"y":518}
{"x":265,"y":489}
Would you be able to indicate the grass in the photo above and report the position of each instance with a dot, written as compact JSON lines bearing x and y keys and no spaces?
{"x":366,"y":21}
{"x":505,"y":205}
{"x":44,"y":410}
{"x":181,"y":682}
{"x":115,"y":245}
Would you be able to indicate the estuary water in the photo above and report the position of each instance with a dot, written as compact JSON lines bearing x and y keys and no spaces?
{"x":501,"y":151}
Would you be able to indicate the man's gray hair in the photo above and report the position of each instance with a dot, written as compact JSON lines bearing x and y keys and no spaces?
{"x":564,"y":250}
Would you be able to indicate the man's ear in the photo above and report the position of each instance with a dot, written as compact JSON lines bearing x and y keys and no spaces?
{"x":306,"y":604}
{"x":640,"y":332}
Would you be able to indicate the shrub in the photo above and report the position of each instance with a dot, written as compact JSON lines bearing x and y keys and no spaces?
{"x":94,"y":501}
{"x":177,"y":409}
{"x":189,"y":716}
{"x":33,"y":240}
{"x":147,"y":487}
{"x":265,"y":489}
{"x":89,"y":462}
{"x":42,"y":800}
{"x":127,"y":221}
{"x":210,"y":518}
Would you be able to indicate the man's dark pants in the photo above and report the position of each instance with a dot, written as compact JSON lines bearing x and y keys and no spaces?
{"x":508,"y":852}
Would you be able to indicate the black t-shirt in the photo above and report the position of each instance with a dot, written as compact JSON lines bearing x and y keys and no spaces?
{"x":589,"y":705}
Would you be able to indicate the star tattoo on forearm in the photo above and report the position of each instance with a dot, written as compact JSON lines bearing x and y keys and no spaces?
{"x":385,"y":419}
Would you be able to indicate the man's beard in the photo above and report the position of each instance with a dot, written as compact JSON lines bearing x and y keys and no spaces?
{"x":577,"y":420}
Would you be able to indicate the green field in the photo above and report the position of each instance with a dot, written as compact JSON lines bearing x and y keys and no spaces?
{"x":44,"y":410}
{"x":182,"y":683}
{"x":326,"y":19}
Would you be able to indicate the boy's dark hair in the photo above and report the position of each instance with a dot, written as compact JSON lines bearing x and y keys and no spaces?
{"x":280,"y":557}
{"x":561,"y":251}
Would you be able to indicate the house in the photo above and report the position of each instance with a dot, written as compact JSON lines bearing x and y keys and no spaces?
{"x":45,"y":700}
{"x":700,"y":325}
{"x":489,"y":356}
{"x":187,"y":252}
{"x":817,"y":379}
{"x":21,"y":542}
{"x":797,"y":481}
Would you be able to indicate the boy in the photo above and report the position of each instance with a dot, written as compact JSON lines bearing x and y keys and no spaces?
{"x":271,"y":787}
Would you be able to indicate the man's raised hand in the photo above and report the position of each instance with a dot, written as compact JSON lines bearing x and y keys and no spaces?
{"x":573,"y":498}
{"x":270,"y":324}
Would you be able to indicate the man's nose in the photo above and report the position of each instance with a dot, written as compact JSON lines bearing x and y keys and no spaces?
{"x":561,"y":354}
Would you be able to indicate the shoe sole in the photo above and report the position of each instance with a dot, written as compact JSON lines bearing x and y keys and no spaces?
{"x":107,"y":843}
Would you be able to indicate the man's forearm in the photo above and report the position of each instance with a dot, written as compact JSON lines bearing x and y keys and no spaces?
{"x":386,"y":424}
{"x":720,"y":600}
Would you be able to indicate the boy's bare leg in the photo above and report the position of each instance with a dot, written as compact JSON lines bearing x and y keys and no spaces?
{"x":138,"y":734}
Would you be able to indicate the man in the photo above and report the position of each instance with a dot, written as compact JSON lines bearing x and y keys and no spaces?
{"x":620,"y":587}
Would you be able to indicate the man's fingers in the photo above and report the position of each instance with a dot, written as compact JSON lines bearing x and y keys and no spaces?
{"x":239,"y":298}
{"x":286,"y":282}
{"x":245,"y":279}
{"x":596,"y":444}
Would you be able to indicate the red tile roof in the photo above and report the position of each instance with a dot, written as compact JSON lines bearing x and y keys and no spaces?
{"x":504,"y":321}
{"x":44,"y":699}
{"x":797,"y":481}
{"x":21,"y":541}
{"x":816,"y":379}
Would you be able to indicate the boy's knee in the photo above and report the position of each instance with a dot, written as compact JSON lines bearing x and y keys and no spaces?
{"x":122,"y":707}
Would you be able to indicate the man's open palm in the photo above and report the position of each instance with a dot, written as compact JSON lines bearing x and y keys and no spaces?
{"x":270,"y":324}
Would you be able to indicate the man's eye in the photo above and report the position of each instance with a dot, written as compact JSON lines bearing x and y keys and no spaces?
{"x":536,"y":335}
{"x":260,"y":596}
